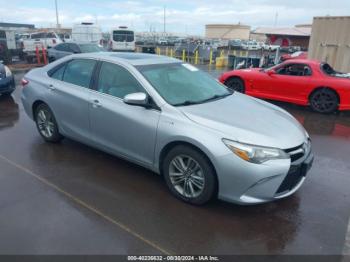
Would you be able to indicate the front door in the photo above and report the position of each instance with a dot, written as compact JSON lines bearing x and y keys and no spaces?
{"x":290,"y":82}
{"x":123,"y":129}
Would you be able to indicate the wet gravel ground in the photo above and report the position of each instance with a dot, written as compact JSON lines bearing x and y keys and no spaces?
{"x":72,"y":199}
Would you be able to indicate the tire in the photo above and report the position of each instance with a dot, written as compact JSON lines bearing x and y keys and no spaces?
{"x":46,"y":124}
{"x":235,"y":84}
{"x":193,"y":180}
{"x":5,"y":94}
{"x":324,"y":101}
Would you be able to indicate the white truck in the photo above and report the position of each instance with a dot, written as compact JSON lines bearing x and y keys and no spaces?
{"x":41,"y":40}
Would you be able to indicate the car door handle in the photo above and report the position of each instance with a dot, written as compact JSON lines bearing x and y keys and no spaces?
{"x":95,"y":103}
{"x":51,"y":87}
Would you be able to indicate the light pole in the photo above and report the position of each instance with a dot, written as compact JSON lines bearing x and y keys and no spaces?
{"x":57,"y":21}
{"x":164,"y":20}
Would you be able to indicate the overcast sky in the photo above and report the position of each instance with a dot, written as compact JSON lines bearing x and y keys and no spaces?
{"x":183,"y":16}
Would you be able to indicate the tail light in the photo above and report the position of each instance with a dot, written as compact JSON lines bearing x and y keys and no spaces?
{"x":24,"y":82}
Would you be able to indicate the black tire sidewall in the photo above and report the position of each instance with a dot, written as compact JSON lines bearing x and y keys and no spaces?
{"x":231,"y":80}
{"x":208,"y":172}
{"x":331,"y":110}
{"x":56,"y":136}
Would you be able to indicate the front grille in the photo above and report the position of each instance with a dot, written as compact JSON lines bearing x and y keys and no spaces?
{"x":298,"y":152}
{"x":293,"y":177}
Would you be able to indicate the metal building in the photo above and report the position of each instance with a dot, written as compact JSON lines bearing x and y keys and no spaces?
{"x":227,"y":31}
{"x":330,"y":41}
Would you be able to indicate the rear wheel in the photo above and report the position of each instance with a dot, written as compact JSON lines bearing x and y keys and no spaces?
{"x":189,"y":175}
{"x":235,"y":84}
{"x":46,"y":124}
{"x":324,"y":101}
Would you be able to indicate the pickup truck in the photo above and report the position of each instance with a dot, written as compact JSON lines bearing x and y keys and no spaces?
{"x":41,"y":40}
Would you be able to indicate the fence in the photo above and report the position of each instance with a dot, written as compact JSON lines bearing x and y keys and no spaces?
{"x":196,"y":58}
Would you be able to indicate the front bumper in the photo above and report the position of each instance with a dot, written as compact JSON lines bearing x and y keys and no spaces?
{"x":246,"y":183}
{"x":7,"y":84}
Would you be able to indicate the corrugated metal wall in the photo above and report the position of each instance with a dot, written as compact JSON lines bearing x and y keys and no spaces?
{"x":330,"y":41}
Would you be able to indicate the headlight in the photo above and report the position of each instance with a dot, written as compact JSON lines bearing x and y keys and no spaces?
{"x":8,"y":72}
{"x":255,"y":154}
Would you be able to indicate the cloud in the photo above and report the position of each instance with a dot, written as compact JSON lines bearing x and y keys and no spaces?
{"x":182,"y":15}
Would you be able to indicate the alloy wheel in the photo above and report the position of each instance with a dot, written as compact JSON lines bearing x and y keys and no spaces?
{"x":324,"y":101}
{"x":45,"y":123}
{"x":186,"y":176}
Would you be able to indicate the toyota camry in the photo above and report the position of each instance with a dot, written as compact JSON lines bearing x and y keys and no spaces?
{"x":170,"y":117}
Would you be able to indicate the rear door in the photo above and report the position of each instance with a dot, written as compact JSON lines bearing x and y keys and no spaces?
{"x":68,"y":97}
{"x":117,"y":127}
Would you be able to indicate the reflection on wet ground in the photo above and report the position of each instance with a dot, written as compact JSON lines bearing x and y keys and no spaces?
{"x":9,"y":114}
{"x":36,"y":218}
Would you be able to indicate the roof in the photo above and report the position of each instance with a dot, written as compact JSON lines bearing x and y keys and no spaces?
{"x":304,"y":61}
{"x":290,"y":31}
{"x":227,"y":26}
{"x":134,"y":59}
{"x":30,"y":26}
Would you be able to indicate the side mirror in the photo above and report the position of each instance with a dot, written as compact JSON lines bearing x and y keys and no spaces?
{"x":271,"y":72}
{"x":136,"y":99}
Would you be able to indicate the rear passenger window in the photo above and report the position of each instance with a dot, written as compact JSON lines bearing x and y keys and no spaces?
{"x":116,"y":81}
{"x":58,"y":74}
{"x":79,"y":72}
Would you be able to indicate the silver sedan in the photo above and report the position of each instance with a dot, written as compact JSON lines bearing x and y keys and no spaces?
{"x":174,"y":119}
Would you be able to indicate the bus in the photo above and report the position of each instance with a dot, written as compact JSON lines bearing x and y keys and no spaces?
{"x":122,"y":39}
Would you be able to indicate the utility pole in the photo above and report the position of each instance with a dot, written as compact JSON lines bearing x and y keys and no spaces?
{"x":276,"y":19}
{"x":164,"y":20}
{"x":57,"y":21}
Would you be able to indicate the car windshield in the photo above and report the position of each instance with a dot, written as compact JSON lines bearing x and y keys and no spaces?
{"x":182,"y":84}
{"x":90,"y":48}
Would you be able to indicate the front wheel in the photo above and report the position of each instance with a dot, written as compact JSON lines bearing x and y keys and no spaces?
{"x":189,"y":175}
{"x":46,"y":124}
{"x":235,"y":84}
{"x":324,"y":101}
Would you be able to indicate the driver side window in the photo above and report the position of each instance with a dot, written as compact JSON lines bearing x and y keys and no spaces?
{"x":294,"y":70}
{"x":116,"y":81}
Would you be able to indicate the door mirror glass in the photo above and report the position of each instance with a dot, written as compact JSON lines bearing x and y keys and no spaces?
{"x":137,"y":99}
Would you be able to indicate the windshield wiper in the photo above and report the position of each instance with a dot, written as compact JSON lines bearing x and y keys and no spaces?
{"x":191,"y":102}
{"x":215,"y":97}
{"x":187,"y":103}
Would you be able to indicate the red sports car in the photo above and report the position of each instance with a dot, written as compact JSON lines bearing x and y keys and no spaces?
{"x":298,"y":81}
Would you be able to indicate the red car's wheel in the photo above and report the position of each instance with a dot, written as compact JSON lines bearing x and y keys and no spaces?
{"x":235,"y":84}
{"x":324,"y":100}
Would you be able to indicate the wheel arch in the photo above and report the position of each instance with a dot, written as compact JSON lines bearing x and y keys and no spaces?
{"x":326,"y":87}
{"x":234,"y":76}
{"x":166,"y":149}
{"x":35,"y":106}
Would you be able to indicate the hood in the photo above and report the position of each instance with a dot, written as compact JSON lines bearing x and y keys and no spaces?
{"x":248,"y":120}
